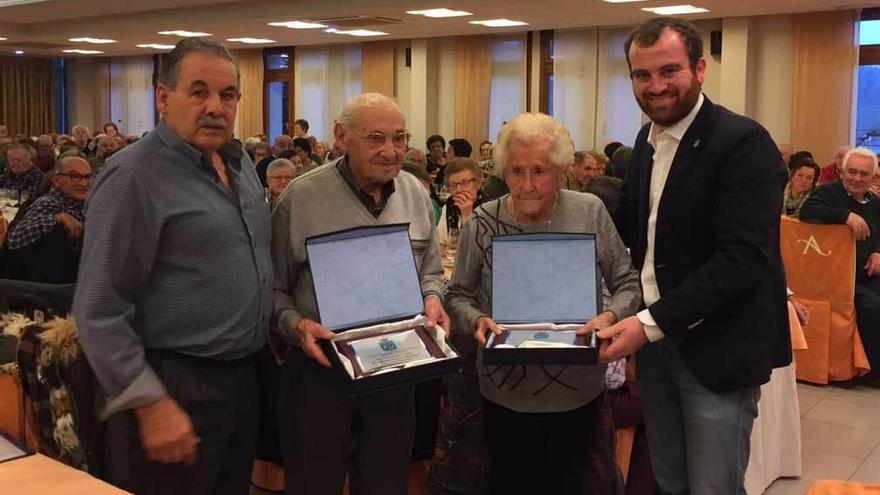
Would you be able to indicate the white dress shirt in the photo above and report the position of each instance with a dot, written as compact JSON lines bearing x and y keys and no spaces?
{"x":665,"y":143}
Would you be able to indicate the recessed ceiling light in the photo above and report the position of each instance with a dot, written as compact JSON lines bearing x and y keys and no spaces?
{"x":185,"y":34}
{"x":83,"y":52}
{"x":10,"y":3}
{"x":675,"y":10}
{"x":623,"y":1}
{"x":97,"y":41}
{"x":157,"y":46}
{"x":499,"y":23}
{"x":251,"y":41}
{"x":2,"y":39}
{"x":297,"y":25}
{"x":356,"y":32}
{"x":439,"y":13}
{"x":19,"y":52}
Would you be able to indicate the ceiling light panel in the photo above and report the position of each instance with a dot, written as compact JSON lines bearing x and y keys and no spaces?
{"x":356,"y":32}
{"x":2,"y":38}
{"x":95,"y":41}
{"x":499,"y":23}
{"x":298,"y":25}
{"x":252,"y":41}
{"x":439,"y":13}
{"x":19,"y":52}
{"x":676,"y":10}
{"x":184,"y":33}
{"x":157,"y":46}
{"x":83,"y":52}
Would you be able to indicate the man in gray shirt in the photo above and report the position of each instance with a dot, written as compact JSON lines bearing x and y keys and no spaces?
{"x":175,"y":288}
{"x":324,"y":432}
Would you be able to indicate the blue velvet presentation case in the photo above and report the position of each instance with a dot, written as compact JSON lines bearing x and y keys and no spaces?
{"x":543,"y":283}
{"x":367,"y":286}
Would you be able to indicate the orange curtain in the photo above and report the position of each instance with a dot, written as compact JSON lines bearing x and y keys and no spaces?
{"x":27,"y":95}
{"x":377,"y":67}
{"x":824,"y":64}
{"x":473,"y":80}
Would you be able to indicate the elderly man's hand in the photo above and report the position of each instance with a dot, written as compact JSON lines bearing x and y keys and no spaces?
{"x":873,"y":265}
{"x":485,"y":324}
{"x":802,"y":312}
{"x":603,"y":320}
{"x":166,"y":432}
{"x":308,"y":332}
{"x":73,"y":226}
{"x":621,"y":340}
{"x":858,"y":226}
{"x":436,"y":314}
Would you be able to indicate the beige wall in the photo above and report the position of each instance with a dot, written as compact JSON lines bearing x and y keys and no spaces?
{"x":753,"y":75}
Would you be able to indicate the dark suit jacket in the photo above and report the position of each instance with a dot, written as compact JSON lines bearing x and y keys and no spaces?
{"x":716,"y":250}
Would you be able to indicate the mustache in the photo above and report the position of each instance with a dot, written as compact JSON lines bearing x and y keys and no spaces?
{"x":211,"y":121}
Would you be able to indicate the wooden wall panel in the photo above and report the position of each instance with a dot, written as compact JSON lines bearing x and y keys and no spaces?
{"x":377,"y":67}
{"x":473,"y":81}
{"x":824,"y":65}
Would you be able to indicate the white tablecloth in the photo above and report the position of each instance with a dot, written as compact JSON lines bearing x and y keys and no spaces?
{"x":776,"y":435}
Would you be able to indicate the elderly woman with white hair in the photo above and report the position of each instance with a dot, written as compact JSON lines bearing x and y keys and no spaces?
{"x":549,"y":428}
{"x":279,"y":173}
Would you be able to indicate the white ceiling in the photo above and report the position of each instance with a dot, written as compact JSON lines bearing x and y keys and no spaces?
{"x":55,"y":21}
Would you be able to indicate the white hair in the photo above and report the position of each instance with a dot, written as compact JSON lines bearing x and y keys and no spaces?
{"x":355,"y":106}
{"x":862,"y":152}
{"x":527,"y":128}
{"x":279,"y":163}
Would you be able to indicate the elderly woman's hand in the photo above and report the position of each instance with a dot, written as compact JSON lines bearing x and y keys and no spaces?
{"x":603,"y":320}
{"x":485,"y":324}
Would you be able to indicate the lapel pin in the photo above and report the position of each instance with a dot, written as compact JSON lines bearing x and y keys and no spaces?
{"x":696,"y":143}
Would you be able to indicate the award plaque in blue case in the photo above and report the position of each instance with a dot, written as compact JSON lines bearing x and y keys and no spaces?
{"x":544,"y":287}
{"x":368,"y":292}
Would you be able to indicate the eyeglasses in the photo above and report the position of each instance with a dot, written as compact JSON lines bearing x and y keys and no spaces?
{"x":75,"y":177}
{"x":378,"y":139}
{"x":282,"y":177}
{"x":459,"y":185}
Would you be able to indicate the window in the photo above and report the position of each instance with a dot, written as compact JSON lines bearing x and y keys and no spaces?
{"x":507,"y":94}
{"x":868,"y":109}
{"x":277,"y":88}
{"x":328,"y":77}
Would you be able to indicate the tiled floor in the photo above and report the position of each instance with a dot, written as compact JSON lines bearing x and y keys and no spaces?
{"x":840,"y":431}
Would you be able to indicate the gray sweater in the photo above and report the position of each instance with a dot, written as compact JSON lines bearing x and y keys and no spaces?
{"x":535,"y":389}
{"x":320,"y":202}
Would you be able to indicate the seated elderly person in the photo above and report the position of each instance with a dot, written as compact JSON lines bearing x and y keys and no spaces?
{"x":21,"y":176}
{"x":279,"y":174}
{"x":849,"y":201}
{"x":547,"y":433}
{"x":803,"y":176}
{"x":44,"y":241}
{"x":463,"y":181}
{"x":107,"y":146}
{"x":303,"y":149}
{"x":44,"y":159}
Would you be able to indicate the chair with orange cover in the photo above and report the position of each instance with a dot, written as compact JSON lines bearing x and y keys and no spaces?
{"x":820,"y":269}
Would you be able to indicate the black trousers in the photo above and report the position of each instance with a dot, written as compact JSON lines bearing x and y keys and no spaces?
{"x":222,"y":400}
{"x":564,"y":453}
{"x":867,"y":302}
{"x":325,"y":433}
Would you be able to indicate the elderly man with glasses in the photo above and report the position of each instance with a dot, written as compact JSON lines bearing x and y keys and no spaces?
{"x":326,"y":434}
{"x":53,"y":224}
